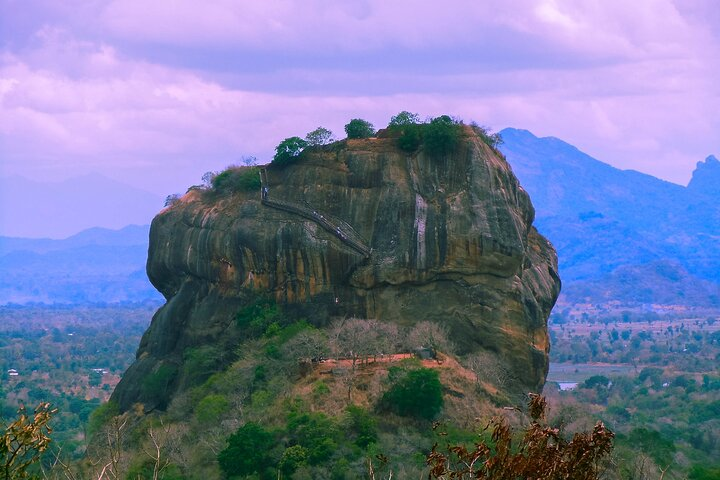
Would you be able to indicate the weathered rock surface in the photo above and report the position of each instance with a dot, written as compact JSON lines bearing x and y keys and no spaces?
{"x":451,"y":237}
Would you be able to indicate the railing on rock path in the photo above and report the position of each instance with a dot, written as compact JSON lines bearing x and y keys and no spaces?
{"x":339,"y":228}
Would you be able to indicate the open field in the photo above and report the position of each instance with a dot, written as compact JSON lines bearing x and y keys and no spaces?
{"x":579,"y":372}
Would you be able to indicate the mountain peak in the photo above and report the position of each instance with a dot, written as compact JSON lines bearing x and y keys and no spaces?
{"x":706,"y":177}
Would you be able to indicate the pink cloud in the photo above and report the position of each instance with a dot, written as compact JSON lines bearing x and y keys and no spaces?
{"x":639,"y":88}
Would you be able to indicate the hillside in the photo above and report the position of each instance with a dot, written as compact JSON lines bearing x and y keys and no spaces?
{"x":601,"y":218}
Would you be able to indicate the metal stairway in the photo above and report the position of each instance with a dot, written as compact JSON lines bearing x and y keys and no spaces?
{"x":342,"y":230}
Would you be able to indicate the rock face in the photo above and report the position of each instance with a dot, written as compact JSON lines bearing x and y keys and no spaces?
{"x":358,"y":228}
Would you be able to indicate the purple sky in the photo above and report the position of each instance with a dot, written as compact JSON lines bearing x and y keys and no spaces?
{"x":154,"y":93}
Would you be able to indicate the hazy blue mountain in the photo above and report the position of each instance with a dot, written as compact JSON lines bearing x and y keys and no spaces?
{"x":601,"y":218}
{"x":29,"y":208}
{"x":706,"y":178}
{"x":658,"y":282}
{"x":96,"y":265}
{"x":126,"y":236}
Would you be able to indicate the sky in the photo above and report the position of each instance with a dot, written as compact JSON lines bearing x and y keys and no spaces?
{"x":156,"y":93}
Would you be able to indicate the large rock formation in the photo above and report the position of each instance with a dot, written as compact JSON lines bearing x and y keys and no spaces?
{"x":358,"y":228}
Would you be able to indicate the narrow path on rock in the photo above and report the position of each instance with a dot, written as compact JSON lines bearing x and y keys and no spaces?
{"x":342,"y":230}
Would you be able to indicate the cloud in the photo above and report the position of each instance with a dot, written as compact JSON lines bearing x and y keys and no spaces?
{"x":175,"y":89}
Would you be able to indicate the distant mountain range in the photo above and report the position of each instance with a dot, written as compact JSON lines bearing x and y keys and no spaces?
{"x":94,"y":266}
{"x":611,"y":225}
{"x":29,"y":208}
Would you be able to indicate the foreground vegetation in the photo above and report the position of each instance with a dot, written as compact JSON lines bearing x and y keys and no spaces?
{"x":663,"y":399}
{"x":337,"y":419}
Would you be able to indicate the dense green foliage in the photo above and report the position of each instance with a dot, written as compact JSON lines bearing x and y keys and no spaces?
{"x":659,"y":389}
{"x":289,"y":150}
{"x":234,"y":179}
{"x":414,"y":393}
{"x":247,"y":451}
{"x":55,"y":350}
{"x":258,"y":315}
{"x":665,"y":409}
{"x":441,"y":135}
{"x":361,"y":425}
{"x":359,"y":128}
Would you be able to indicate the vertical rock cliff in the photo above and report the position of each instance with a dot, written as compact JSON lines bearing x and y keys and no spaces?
{"x":358,"y":228}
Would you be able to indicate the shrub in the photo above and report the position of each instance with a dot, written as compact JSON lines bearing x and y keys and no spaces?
{"x":414,"y":393}
{"x":651,"y":442}
{"x":410,"y":128}
{"x":247,"y":451}
{"x":698,"y":472}
{"x":171,"y":200}
{"x":292,"y":458}
{"x":289,"y":150}
{"x":100,"y":416}
{"x":200,"y":363}
{"x":233,"y":179}
{"x":319,"y":136}
{"x":410,"y":139}
{"x":210,"y":409}
{"x":362,"y":425}
{"x":441,"y":135}
{"x":493,"y":140}
{"x":541,"y":453}
{"x":359,"y":128}
{"x":315,"y":432}
{"x":596,"y":380}
{"x":258,"y":315}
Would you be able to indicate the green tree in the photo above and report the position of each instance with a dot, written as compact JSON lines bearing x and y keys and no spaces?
{"x":362,"y":425}
{"x":359,"y":128}
{"x":596,"y":381}
{"x":403,"y":119}
{"x":651,"y":442}
{"x":247,"y":451}
{"x":319,"y":136}
{"x":408,"y":124}
{"x":441,"y":135}
{"x":289,"y":150}
{"x":414,"y":393}
{"x":704,"y":473}
{"x":292,"y":458}
{"x":315,"y":432}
